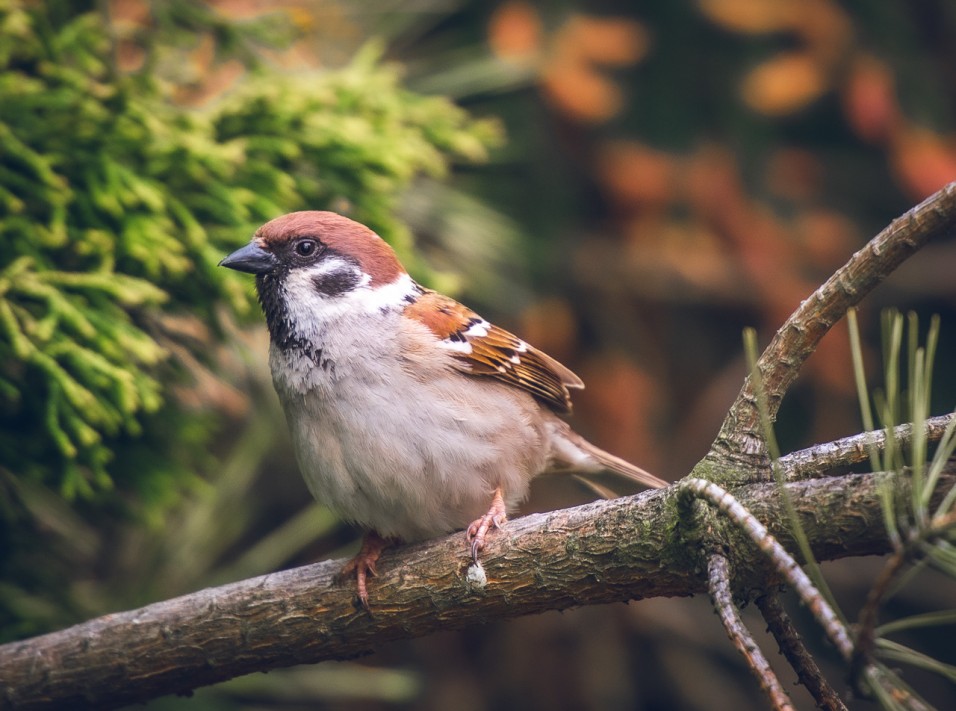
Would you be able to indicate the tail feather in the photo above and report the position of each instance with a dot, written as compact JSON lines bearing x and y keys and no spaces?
{"x":600,"y":490}
{"x":572,"y":454}
{"x":621,"y":467}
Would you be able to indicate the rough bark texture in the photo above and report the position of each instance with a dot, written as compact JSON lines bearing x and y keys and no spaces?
{"x":608,"y":551}
{"x":722,"y":596}
{"x":824,"y":459}
{"x":791,"y":644}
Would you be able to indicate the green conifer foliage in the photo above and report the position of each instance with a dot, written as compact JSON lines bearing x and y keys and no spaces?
{"x":116,"y":205}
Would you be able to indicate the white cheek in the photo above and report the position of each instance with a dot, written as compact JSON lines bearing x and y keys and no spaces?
{"x":306,"y":303}
{"x":311,"y":310}
{"x":383,"y":297}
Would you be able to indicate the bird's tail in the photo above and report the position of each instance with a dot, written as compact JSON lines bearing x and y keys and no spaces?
{"x":572,"y":453}
{"x":621,"y":467}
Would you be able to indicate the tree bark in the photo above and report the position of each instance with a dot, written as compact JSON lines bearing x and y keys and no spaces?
{"x":652,"y":544}
{"x":608,"y":551}
{"x":740,"y":440}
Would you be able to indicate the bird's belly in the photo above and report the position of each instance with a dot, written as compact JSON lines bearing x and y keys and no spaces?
{"x":411,"y":467}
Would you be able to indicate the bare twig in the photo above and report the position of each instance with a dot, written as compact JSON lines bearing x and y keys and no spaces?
{"x":866,"y":624}
{"x":822,"y":459}
{"x":782,"y":561}
{"x":718,"y":577}
{"x":868,"y":618}
{"x":740,"y":436}
{"x":792,"y":647}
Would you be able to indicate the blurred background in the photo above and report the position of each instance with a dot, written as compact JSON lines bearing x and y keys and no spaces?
{"x":625,"y":185}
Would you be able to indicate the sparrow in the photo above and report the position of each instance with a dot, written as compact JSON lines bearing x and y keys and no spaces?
{"x":410,"y":415}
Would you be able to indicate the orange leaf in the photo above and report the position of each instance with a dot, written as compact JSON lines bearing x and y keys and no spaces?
{"x":751,"y":16}
{"x":923,"y":160}
{"x":869,"y":100}
{"x":635,"y":174}
{"x":784,"y":84}
{"x":615,"y":41}
{"x":581,"y":92}
{"x":130,"y":12}
{"x":514,"y":30}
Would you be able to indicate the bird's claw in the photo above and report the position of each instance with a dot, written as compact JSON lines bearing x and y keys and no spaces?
{"x":478,"y":530}
{"x":363,"y":564}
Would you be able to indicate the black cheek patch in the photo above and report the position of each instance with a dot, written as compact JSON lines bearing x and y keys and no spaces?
{"x":337,"y":282}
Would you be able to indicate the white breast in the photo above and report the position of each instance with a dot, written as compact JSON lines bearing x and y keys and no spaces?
{"x":390,"y":436}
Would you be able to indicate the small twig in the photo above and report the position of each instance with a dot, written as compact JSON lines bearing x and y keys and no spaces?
{"x":740,"y":435}
{"x":718,"y":579}
{"x":866,"y":623}
{"x":792,"y":647}
{"x":822,"y":459}
{"x":782,"y":561}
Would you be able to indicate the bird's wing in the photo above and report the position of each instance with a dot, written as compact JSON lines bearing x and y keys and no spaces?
{"x":481,"y":348}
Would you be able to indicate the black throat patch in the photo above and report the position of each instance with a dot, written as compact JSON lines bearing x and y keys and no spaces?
{"x":271,"y":288}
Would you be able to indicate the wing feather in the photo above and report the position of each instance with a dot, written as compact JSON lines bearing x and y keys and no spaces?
{"x":482,"y":348}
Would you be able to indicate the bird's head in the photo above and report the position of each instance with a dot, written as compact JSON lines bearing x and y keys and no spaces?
{"x":311,"y":265}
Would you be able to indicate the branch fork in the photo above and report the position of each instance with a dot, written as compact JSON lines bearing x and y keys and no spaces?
{"x":606,"y":551}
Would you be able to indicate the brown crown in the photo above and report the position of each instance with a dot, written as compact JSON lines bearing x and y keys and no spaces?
{"x":340,"y":234}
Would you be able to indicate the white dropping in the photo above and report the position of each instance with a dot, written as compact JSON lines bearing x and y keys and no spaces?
{"x":475,"y":577}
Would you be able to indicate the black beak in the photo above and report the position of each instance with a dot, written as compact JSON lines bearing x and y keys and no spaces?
{"x":252,"y":259}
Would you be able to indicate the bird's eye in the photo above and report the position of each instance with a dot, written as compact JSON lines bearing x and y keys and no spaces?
{"x":306,"y":247}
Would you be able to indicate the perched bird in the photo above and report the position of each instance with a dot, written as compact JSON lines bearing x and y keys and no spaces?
{"x":411,"y":415}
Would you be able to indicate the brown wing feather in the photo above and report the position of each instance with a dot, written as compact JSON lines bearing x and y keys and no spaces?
{"x":484,"y":349}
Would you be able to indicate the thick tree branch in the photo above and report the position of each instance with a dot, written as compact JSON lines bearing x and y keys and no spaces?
{"x":607,"y":551}
{"x":740,"y":438}
{"x":783,"y":564}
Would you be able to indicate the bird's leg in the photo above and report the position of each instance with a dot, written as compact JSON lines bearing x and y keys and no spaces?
{"x":496,"y":516}
{"x":363,"y":564}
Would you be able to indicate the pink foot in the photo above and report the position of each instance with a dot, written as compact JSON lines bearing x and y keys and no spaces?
{"x":363,"y":564}
{"x":478,"y":530}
